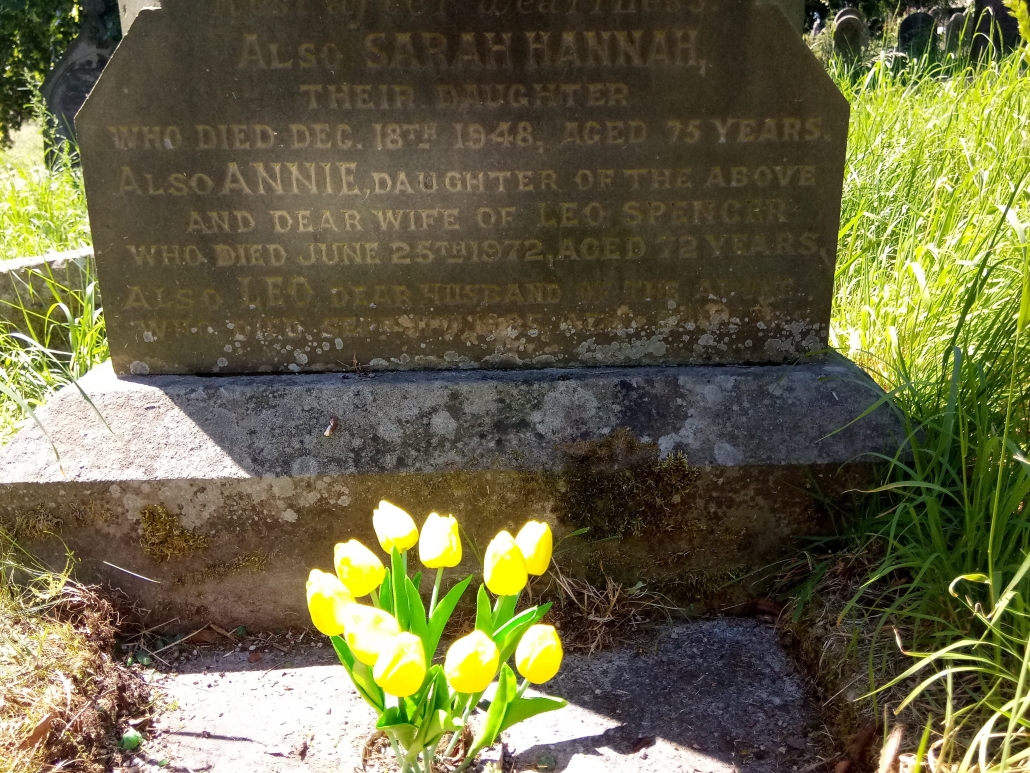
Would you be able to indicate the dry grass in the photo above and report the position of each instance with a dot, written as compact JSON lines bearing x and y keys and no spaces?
{"x":835,"y":631}
{"x":63,"y":700}
{"x":592,"y":618}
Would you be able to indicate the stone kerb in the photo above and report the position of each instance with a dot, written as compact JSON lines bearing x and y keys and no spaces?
{"x":225,"y":491}
{"x":25,"y":283}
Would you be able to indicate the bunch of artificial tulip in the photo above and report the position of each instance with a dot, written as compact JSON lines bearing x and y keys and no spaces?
{"x":388,"y":645}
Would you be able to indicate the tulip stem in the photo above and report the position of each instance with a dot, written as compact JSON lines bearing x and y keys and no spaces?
{"x":436,"y":590}
{"x":522,"y":688}
{"x":375,"y":599}
{"x":397,"y":751}
{"x":473,"y":700}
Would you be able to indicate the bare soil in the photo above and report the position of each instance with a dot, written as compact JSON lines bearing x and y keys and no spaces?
{"x":694,"y":697}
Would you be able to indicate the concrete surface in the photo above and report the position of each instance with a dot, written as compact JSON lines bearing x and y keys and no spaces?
{"x":244,"y":466}
{"x":705,"y":697}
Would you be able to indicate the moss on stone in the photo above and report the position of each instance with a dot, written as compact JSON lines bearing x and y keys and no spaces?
{"x":33,"y":524}
{"x":248,"y":563}
{"x":619,"y":486}
{"x":162,"y":537}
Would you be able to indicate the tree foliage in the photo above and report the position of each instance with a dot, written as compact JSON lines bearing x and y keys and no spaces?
{"x":34,"y":34}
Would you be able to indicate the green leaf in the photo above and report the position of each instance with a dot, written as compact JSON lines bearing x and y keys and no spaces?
{"x":507,"y":638}
{"x":386,"y":594}
{"x":505,"y":609}
{"x":524,"y":708}
{"x":506,"y":689}
{"x":417,"y":581}
{"x":484,"y":614}
{"x":417,"y":617}
{"x":400,"y":596}
{"x":360,"y":675}
{"x":442,"y":613}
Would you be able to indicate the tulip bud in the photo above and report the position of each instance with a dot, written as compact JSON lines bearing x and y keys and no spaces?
{"x":471,"y":663}
{"x":401,"y":666}
{"x":394,"y":527}
{"x":327,"y":599}
{"x":539,"y":654}
{"x":504,"y":568}
{"x":367,"y":631}
{"x":536,"y":543}
{"x":439,"y":545}
{"x":358,"y":568}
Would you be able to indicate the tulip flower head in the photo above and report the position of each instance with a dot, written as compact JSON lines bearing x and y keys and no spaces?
{"x":536,"y":543}
{"x":471,"y":663}
{"x":394,"y":527}
{"x":367,"y":631}
{"x":358,"y":568}
{"x":539,"y":654}
{"x":504,"y":567}
{"x":439,"y":546}
{"x":400,"y":668}
{"x":327,"y":600}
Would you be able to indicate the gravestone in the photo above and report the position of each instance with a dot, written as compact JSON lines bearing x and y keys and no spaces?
{"x":129,"y":10}
{"x":917,"y":34}
{"x":956,"y":32}
{"x":517,"y":189}
{"x":66,"y":86}
{"x":442,"y":194}
{"x":848,"y":11}
{"x":850,"y":35}
{"x":996,"y":29}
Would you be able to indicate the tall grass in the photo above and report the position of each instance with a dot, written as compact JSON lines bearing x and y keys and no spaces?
{"x":933,"y":296}
{"x":42,"y":211}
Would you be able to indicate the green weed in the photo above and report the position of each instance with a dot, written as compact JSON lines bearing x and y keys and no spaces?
{"x":933,"y":297}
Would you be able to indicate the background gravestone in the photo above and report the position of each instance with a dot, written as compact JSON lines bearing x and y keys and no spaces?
{"x":299,"y":186}
{"x":850,"y":35}
{"x":66,"y":86}
{"x":955,"y":31}
{"x":917,"y":34}
{"x":996,"y":29}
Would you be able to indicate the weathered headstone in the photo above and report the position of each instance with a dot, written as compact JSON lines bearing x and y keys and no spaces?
{"x":955,"y":32}
{"x":996,"y":29}
{"x":794,"y":10}
{"x":506,"y":183}
{"x":850,"y":35}
{"x":848,"y":11}
{"x":129,"y":10}
{"x":66,"y":86}
{"x":917,"y":34}
{"x":449,"y":185}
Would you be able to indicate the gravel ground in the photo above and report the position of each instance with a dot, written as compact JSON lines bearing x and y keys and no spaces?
{"x":707,"y":696}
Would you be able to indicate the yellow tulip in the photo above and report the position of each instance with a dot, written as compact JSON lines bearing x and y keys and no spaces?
{"x":367,"y":631}
{"x":504,"y":567}
{"x":327,"y":599}
{"x":539,"y":654}
{"x":358,"y":568}
{"x":536,"y":543}
{"x":401,"y":666}
{"x":471,"y":663}
{"x":439,"y":546}
{"x":394,"y":527}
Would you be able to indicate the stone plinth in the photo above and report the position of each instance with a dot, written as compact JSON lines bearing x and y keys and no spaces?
{"x":225,"y":491}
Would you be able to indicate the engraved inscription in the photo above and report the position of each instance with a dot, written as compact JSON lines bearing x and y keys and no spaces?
{"x":296,"y":184}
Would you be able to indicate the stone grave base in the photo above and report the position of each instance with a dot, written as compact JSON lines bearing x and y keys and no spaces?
{"x":210,"y":498}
